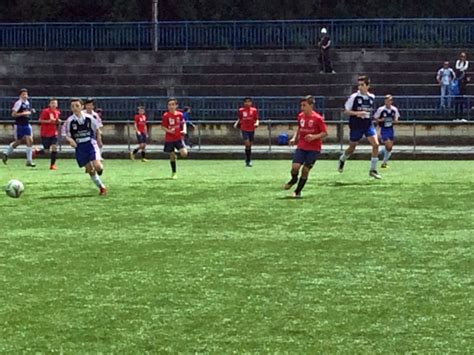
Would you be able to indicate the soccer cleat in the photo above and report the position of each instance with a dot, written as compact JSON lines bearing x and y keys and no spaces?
{"x":53,"y":167}
{"x":174,"y":176}
{"x":4,"y":158}
{"x":296,"y":195}
{"x":375,"y":174}
{"x":31,"y":165}
{"x":384,"y":166}
{"x":289,"y":184}
{"x":248,"y":164}
{"x":102,"y":191}
{"x":144,"y":160}
{"x":341,"y":166}
{"x":132,"y":156}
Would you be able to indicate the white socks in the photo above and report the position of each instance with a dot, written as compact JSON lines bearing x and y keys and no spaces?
{"x":10,"y":150}
{"x":373,"y":163}
{"x":96,"y":179}
{"x":29,"y":154}
{"x":344,"y":157}
{"x":386,"y":156}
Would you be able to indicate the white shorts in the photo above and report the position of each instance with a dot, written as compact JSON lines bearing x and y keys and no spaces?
{"x":98,"y":154}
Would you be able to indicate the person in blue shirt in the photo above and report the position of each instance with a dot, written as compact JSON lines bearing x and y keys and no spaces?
{"x":23,"y":131}
{"x":445,"y":77}
{"x":359,"y":107}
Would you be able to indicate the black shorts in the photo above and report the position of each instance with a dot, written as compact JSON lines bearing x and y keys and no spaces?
{"x":248,"y":135}
{"x":47,"y":142}
{"x":306,"y":157}
{"x":170,"y":147}
{"x":141,"y":138}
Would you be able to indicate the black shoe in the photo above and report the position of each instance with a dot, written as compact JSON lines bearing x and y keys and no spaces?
{"x":31,"y":165}
{"x":5,"y":159}
{"x":375,"y":174}
{"x":341,"y":166}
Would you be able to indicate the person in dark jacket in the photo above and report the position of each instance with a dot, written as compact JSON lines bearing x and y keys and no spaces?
{"x":324,"y":46}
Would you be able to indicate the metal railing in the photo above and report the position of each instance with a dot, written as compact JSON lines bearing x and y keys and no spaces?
{"x":276,"y":108}
{"x":287,"y":34}
{"x":267,"y":142}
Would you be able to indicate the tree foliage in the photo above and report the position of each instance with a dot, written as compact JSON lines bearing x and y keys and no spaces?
{"x":140,"y":10}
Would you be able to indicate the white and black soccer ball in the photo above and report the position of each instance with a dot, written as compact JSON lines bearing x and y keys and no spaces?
{"x":14,"y":188}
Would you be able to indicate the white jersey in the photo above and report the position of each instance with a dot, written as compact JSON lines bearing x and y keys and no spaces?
{"x":96,"y":117}
{"x":389,"y":114}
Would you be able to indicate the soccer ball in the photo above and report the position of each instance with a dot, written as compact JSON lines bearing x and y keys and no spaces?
{"x":14,"y":188}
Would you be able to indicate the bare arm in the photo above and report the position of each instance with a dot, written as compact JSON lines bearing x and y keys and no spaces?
{"x":360,"y":114}
{"x":295,"y":137}
{"x":185,"y":128}
{"x":71,"y":142}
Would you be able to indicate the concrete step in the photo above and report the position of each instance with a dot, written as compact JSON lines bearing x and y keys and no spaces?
{"x":223,"y":57}
{"x":151,"y":89}
{"x":215,"y":79}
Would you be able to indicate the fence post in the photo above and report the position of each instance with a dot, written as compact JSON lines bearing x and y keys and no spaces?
{"x":91,"y":36}
{"x":186,"y":34}
{"x":128,"y":135}
{"x":414,"y":136}
{"x":269,"y":135}
{"x":45,"y":39}
{"x":234,"y":42}
{"x":381,"y":29}
{"x":283,"y":35}
{"x":199,"y":135}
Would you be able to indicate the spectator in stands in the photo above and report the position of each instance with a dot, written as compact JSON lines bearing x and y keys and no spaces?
{"x":445,"y":76}
{"x":324,"y":46}
{"x":462,"y":79}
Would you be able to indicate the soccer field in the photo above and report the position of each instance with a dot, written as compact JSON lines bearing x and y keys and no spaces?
{"x":222,"y":261}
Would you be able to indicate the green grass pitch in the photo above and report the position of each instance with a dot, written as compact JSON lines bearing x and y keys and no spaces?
{"x":220,"y":261}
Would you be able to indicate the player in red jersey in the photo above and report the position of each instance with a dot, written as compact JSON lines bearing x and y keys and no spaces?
{"x":174,"y":126}
{"x":248,"y":120}
{"x":309,"y":134}
{"x":49,"y":120}
{"x":141,"y":130}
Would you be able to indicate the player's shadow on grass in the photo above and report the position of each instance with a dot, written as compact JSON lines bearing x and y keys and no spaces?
{"x":65,"y":197}
{"x":159,"y":179}
{"x":343,"y":184}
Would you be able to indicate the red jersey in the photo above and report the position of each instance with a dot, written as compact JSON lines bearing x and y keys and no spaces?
{"x":49,"y":129}
{"x":313,"y":124}
{"x":175,"y":123}
{"x":247,"y":118}
{"x":140,"y":122}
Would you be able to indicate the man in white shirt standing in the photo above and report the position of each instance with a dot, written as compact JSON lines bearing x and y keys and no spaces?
{"x":445,"y":76}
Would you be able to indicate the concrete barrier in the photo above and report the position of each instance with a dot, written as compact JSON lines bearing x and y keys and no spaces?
{"x":419,"y":133}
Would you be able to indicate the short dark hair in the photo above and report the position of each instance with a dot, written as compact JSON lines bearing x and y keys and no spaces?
{"x":141,"y":107}
{"x":365,"y":79}
{"x":22,"y":90}
{"x":248,"y":98}
{"x":308,"y":98}
{"x":76,"y":99}
{"x":52,"y":99}
{"x":89,"y":100}
{"x":171,"y":99}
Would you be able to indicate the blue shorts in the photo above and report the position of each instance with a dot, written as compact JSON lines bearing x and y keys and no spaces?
{"x":170,"y":147}
{"x":47,"y":142}
{"x":22,"y":131}
{"x":357,"y":134}
{"x":387,"y":134}
{"x":85,"y":153}
{"x":248,"y":135}
{"x":306,"y":157}
{"x":141,"y":138}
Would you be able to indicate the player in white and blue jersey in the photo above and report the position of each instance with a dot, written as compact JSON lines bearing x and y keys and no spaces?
{"x":386,"y":116}
{"x":23,"y":131}
{"x":359,"y":108}
{"x":89,"y":106}
{"x":80,"y":130}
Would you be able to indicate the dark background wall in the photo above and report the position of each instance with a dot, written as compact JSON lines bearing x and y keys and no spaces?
{"x":140,"y":10}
